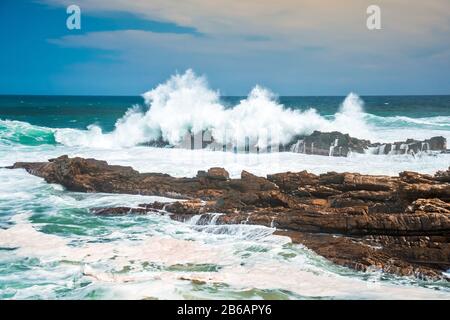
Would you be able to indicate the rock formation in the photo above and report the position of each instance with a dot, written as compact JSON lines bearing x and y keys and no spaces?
{"x":398,"y":224}
{"x":334,"y":144}
{"x":410,"y":146}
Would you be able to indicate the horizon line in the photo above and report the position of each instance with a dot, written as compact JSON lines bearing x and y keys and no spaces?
{"x":230,"y":96}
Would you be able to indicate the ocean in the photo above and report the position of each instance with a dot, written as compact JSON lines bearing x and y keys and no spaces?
{"x":52,"y":247}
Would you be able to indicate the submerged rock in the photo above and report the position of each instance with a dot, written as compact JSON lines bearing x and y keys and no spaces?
{"x":398,"y":224}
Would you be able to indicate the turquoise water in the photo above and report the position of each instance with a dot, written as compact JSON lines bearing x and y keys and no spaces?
{"x":51,"y":246}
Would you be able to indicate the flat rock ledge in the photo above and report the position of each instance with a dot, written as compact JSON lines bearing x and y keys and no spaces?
{"x":400,"y":225}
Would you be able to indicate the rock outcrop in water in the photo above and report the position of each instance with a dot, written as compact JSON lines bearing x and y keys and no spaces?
{"x":337,"y":144}
{"x":411,"y":146}
{"x":398,"y":224}
{"x":333,"y":144}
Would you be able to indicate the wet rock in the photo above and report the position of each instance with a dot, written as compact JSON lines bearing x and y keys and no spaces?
{"x":355,"y":181}
{"x":334,"y":144}
{"x":398,"y":224}
{"x":120,"y":211}
{"x":192,"y":207}
{"x":214,"y":173}
{"x":250,"y":182}
{"x":443,"y":176}
{"x":410,"y":146}
{"x":429,"y":205}
{"x":291,"y":181}
{"x":158,"y":143}
{"x":419,"y":259}
{"x":415,"y":191}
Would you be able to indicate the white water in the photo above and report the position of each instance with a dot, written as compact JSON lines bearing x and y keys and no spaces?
{"x":155,"y":257}
{"x":180,"y":162}
{"x":186,"y":104}
{"x":71,"y":254}
{"x":51,"y":246}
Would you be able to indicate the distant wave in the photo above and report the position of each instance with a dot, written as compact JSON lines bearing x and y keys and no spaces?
{"x":18,"y":132}
{"x":437,"y":122}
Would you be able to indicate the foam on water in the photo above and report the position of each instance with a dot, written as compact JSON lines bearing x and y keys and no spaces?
{"x":167,"y":267}
{"x":194,"y":107}
{"x":180,"y":162}
{"x":51,"y":246}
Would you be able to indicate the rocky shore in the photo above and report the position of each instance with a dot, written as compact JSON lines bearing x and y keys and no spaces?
{"x":400,"y":225}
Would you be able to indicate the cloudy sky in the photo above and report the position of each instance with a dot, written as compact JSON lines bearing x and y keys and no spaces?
{"x":293,"y":47}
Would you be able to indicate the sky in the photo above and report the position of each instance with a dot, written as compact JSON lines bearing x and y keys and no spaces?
{"x":292,"y":47}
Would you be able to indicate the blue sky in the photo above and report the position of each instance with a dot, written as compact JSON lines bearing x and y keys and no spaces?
{"x":301,"y":47}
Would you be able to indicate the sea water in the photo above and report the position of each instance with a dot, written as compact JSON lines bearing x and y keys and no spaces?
{"x":51,"y":246}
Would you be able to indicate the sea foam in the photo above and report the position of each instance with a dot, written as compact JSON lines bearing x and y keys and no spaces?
{"x":185,"y":104}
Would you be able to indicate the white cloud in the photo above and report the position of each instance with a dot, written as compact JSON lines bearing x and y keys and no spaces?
{"x":293,"y":20}
{"x":292,"y":24}
{"x":322,"y":38}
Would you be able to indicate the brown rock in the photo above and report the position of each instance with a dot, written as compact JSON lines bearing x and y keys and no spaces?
{"x":443,"y":176}
{"x":214,"y":173}
{"x":399,"y":224}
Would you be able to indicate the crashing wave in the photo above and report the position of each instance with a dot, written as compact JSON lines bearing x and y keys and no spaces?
{"x":186,"y":105}
{"x":184,"y":112}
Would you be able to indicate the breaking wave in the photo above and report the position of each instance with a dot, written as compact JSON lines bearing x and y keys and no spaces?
{"x":18,"y":132}
{"x":185,"y":104}
{"x":438,"y":122}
